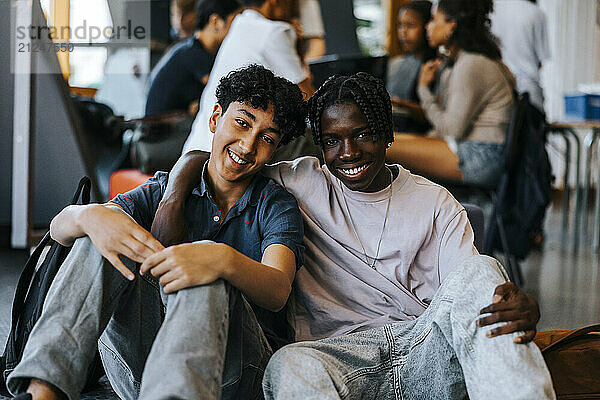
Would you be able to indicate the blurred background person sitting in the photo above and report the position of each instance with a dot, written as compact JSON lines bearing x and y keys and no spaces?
{"x":521,"y":27}
{"x":177,"y":81}
{"x":312,"y":38}
{"x":258,"y":35}
{"x":472,"y":113}
{"x":403,"y":71}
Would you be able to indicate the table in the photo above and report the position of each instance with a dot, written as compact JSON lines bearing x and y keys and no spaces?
{"x":568,"y":128}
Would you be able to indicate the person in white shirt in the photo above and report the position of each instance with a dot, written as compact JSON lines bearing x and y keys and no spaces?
{"x":521,"y":27}
{"x":254,"y":38}
{"x":313,"y":31}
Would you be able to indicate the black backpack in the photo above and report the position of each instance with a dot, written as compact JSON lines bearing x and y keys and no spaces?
{"x":30,"y":294}
{"x":528,"y":187}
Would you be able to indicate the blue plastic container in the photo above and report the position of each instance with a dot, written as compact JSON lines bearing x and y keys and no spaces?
{"x":582,"y":106}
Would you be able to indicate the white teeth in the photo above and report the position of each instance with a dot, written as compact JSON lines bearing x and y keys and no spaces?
{"x":354,"y":171}
{"x":236,"y":158}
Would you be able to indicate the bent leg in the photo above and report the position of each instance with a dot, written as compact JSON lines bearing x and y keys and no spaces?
{"x":80,"y":302}
{"x":423,"y":155}
{"x":433,"y":356}
{"x":126,"y":342}
{"x":493,"y":368}
{"x":210,"y":346}
{"x":354,"y":366}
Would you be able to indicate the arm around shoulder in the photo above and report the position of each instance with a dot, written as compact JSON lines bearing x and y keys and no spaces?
{"x":168,"y":225}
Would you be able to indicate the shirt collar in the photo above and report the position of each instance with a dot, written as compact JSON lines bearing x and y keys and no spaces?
{"x":247,"y":198}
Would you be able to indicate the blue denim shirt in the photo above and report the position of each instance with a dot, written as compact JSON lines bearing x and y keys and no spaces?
{"x":265,"y":214}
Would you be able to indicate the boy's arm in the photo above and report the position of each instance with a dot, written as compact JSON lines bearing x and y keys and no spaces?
{"x":168,"y":225}
{"x":267,"y":283}
{"x":111,"y":229}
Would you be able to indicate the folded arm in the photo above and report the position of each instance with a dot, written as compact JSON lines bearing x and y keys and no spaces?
{"x":267,"y":283}
{"x":112,"y":230}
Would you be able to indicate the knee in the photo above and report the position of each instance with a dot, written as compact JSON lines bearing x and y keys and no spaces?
{"x":287,"y":359}
{"x":482,"y":271}
{"x":216,"y":292}
{"x":84,"y":253}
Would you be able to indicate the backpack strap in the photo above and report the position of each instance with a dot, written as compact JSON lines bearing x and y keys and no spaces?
{"x":83,"y":191}
{"x":575,"y":334}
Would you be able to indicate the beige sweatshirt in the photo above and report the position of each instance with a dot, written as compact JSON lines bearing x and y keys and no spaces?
{"x":476,"y":100}
{"x":427,"y":233}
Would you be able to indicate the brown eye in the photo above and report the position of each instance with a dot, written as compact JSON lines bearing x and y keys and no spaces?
{"x":330,"y":142}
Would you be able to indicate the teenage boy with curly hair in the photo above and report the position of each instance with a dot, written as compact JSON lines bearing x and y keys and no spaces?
{"x":222,"y":290}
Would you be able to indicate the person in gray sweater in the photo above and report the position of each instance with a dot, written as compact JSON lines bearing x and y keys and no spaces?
{"x":475,"y":101}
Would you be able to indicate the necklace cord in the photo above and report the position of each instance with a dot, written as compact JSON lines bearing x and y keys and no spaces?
{"x":375,"y":259}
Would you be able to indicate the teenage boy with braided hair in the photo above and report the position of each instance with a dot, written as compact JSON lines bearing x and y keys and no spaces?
{"x":389,"y":298}
{"x":222,"y":291}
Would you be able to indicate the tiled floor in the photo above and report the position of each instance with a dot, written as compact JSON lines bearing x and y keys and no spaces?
{"x":565,"y":282}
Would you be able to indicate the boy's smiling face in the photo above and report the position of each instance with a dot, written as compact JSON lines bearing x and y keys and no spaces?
{"x":353,"y":153}
{"x":245,"y":140}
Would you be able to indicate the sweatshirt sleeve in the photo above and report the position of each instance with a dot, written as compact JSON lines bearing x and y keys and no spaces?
{"x":466,"y":90}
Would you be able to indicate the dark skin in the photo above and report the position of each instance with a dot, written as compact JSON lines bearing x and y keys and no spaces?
{"x":347,"y":144}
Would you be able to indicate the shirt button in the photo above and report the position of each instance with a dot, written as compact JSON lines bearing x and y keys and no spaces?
{"x":216,"y":218}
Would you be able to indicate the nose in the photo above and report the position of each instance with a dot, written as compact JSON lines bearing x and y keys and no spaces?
{"x":247,"y":143}
{"x":349,"y":151}
{"x":429,"y":27}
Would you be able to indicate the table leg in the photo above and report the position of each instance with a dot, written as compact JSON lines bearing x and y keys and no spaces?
{"x":596,"y":236}
{"x":576,"y":188}
{"x":589,"y":141}
{"x":566,"y":191}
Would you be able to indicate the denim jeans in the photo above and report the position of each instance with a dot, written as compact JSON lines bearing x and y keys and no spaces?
{"x":440,"y":355}
{"x":208,"y":346}
{"x":481,"y":163}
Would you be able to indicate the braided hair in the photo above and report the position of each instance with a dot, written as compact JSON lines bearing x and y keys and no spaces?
{"x":362,"y":89}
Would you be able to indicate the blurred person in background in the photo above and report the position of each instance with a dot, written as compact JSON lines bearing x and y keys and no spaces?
{"x":471,"y":114}
{"x":403,"y":71}
{"x":258,"y":35}
{"x":183,"y":18}
{"x":313,"y":31}
{"x":177,"y":81}
{"x":521,"y":27}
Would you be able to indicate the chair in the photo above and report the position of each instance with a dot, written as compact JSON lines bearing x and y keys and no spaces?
{"x":329,"y":65}
{"x":498,"y":193}
{"x":476,"y":218}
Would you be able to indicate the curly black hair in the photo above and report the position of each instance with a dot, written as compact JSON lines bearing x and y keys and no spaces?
{"x":362,"y":89}
{"x":259,"y":87}
{"x":473,"y":26}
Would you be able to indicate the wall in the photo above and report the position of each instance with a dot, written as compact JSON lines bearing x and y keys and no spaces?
{"x":6,"y":119}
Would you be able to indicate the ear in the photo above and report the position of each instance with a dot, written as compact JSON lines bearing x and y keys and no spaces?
{"x":218,"y":23}
{"x":452,"y":27}
{"x":216,"y":115}
{"x":213,"y":19}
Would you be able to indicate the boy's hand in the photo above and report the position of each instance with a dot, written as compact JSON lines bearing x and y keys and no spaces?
{"x":514,"y":306}
{"x":186,"y":265}
{"x":114,"y":232}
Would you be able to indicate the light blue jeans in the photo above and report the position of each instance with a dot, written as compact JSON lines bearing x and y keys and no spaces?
{"x":440,"y":355}
{"x":209,"y":345}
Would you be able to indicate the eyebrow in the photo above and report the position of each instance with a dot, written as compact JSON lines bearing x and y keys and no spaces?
{"x":253,"y":118}
{"x":354,"y":131}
